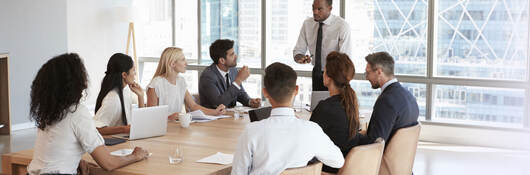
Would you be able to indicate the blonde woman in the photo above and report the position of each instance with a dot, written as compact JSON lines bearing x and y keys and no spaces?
{"x":169,"y":88}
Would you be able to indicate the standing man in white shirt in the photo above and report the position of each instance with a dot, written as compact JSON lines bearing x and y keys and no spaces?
{"x":321,"y":35}
{"x":282,"y":141}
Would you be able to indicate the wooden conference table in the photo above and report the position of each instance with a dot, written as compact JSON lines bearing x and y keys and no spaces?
{"x":196,"y":142}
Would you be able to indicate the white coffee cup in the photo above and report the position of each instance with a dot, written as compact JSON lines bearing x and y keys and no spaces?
{"x":185,"y":120}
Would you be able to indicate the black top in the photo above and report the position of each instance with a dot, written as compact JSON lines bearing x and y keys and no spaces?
{"x":330,"y":115}
{"x":394,"y":109}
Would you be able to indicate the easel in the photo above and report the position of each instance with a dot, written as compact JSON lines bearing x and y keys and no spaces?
{"x":129,"y":35}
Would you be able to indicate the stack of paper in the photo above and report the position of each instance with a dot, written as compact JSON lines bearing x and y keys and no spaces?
{"x":199,"y":116}
{"x":218,"y":158}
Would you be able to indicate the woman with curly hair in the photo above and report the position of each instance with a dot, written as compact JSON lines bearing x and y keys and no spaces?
{"x":66,"y":129}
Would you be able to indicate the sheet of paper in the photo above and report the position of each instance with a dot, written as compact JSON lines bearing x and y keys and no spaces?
{"x":218,"y":158}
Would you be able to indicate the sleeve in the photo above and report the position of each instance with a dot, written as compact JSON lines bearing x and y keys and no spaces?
{"x":301,"y":43}
{"x":345,"y":44}
{"x":243,"y":97}
{"x":214,"y":96}
{"x":110,"y":107}
{"x":381,"y":122}
{"x":155,"y":84}
{"x":243,"y":156}
{"x":317,"y":115}
{"x":85,"y":131}
{"x":327,"y":152}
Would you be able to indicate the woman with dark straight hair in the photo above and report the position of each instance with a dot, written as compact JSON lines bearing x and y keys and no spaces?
{"x":338,"y":115}
{"x":66,"y":129}
{"x":113,"y":105}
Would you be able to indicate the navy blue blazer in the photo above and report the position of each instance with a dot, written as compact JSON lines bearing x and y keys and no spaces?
{"x":394,"y":109}
{"x":213,"y":91}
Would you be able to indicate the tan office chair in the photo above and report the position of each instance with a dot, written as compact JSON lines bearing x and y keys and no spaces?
{"x":364,"y":160}
{"x":398,"y":157}
{"x":313,"y":169}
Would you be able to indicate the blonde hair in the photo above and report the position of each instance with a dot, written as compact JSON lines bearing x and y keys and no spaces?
{"x":168,"y":56}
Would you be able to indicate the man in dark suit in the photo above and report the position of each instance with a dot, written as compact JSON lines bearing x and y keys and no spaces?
{"x":395,"y":108}
{"x":220,"y":83}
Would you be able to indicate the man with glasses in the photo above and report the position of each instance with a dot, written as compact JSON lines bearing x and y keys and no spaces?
{"x":321,"y":35}
{"x":395,"y":108}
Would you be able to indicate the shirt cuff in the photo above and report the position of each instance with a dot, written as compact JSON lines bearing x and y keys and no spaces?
{"x":237,"y":86}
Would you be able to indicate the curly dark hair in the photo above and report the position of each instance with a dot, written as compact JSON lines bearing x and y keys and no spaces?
{"x":59,"y":84}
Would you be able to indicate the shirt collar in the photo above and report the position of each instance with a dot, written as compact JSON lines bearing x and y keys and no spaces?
{"x":329,"y":19}
{"x":282,"y":111}
{"x":388,"y":83}
{"x":223,"y":73}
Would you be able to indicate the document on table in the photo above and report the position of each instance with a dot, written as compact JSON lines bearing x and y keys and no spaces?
{"x":199,"y":116}
{"x":218,"y":158}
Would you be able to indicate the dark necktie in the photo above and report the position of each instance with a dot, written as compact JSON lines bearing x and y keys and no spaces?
{"x":227,"y":81}
{"x":318,"y":50}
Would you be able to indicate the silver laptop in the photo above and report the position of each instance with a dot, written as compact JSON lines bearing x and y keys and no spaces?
{"x":316,"y":97}
{"x":147,"y":122}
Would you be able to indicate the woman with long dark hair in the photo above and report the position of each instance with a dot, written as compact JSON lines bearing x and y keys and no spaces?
{"x":66,"y":129}
{"x":113,"y":105}
{"x":338,"y":115}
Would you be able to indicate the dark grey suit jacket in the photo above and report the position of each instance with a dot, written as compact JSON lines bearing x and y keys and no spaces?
{"x":213,"y":91}
{"x":394,"y":109}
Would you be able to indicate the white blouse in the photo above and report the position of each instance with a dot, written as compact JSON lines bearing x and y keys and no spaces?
{"x":170,"y":94}
{"x":109,"y":114}
{"x":58,"y":148}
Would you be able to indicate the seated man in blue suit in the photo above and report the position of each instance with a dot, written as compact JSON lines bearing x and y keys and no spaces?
{"x":220,"y":83}
{"x":395,"y":108}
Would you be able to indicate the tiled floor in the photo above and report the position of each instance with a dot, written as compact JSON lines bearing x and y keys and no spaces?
{"x":431,"y":158}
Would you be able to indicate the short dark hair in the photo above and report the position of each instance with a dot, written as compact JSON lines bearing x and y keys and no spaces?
{"x":218,"y":49}
{"x":280,"y":81}
{"x":381,"y":60}
{"x":59,"y":85}
{"x":330,"y":2}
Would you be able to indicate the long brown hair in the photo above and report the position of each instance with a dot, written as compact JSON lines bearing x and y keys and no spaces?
{"x":340,"y":69}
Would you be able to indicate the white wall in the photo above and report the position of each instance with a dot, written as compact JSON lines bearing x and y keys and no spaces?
{"x":35,"y":31}
{"x":96,"y":30}
{"x":32,"y":32}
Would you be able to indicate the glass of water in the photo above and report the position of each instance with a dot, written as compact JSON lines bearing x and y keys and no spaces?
{"x":175,"y":154}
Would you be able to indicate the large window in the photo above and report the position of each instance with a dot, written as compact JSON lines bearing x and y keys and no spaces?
{"x":235,"y":20}
{"x":486,"y":39}
{"x":396,"y":26}
{"x":465,"y":61}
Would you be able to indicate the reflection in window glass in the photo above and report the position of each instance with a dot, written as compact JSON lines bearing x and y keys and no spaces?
{"x":482,"y":39}
{"x":284,"y":21}
{"x":479,"y":105}
{"x":152,"y":21}
{"x":235,"y":20}
{"x":396,"y":26}
{"x":304,"y":92}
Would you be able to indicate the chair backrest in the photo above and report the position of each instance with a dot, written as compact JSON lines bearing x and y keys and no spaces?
{"x":399,"y":154}
{"x":364,"y":160}
{"x":313,"y":169}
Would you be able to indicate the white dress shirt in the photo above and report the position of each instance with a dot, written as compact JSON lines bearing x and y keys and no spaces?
{"x":223,"y":73}
{"x":109,"y":114}
{"x":170,"y":94}
{"x":335,"y":37}
{"x":283,"y":141}
{"x":59,"y":147}
{"x":388,"y":83}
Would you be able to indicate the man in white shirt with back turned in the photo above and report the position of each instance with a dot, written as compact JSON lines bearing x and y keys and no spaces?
{"x":282,"y":141}
{"x":321,"y":35}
